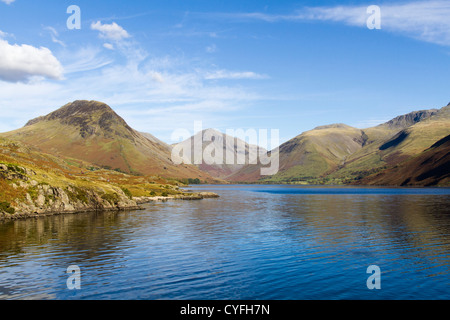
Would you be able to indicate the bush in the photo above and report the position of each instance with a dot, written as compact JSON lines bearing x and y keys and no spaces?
{"x":194,"y":181}
{"x":77,"y":195}
{"x":112,"y":198}
{"x":15,"y":168}
{"x":127,"y":193}
{"x":164,"y":194}
{"x":6,"y":207}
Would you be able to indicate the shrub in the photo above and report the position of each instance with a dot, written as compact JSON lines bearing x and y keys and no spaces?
{"x":33,"y":192}
{"x":194,"y":181}
{"x":6,"y":207}
{"x":127,"y":193}
{"x":15,"y":168}
{"x":112,"y":198}
{"x":77,"y":194}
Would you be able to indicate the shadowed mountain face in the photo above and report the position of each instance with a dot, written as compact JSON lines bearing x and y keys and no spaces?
{"x":431,"y":167}
{"x":93,"y":132}
{"x":390,"y":147}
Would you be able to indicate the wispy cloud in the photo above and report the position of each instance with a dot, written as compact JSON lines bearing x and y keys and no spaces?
{"x":3,"y":34}
{"x":211,"y":49}
{"x":154,"y":94}
{"x":8,"y":1}
{"x":54,"y":34}
{"x":84,"y":59}
{"x":423,"y":20}
{"x":225,"y":74}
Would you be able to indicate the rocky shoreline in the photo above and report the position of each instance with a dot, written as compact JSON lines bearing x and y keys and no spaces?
{"x":33,"y":212}
{"x":186,"y":196}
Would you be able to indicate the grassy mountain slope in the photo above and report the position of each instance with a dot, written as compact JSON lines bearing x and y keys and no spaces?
{"x":93,"y":132}
{"x":35,"y":182}
{"x":311,"y":154}
{"x":395,"y":146}
{"x":341,"y":154}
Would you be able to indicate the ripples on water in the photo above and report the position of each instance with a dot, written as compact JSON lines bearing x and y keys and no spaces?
{"x":284,"y":243}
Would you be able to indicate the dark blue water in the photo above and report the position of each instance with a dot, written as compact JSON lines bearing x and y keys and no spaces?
{"x":255,"y":242}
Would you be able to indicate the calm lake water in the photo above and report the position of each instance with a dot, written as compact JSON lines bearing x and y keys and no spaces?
{"x":255,"y":242}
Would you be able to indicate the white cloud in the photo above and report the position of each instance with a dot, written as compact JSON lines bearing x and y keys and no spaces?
{"x":150,"y":97}
{"x":111,"y":31}
{"x":152,"y":93}
{"x":231,"y":75}
{"x":108,"y":46}
{"x":22,"y":62}
{"x":423,"y":20}
{"x":4,"y":35}
{"x":158,"y":77}
{"x":8,"y":1}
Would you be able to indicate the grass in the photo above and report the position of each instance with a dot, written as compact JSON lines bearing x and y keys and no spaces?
{"x":77,"y":179}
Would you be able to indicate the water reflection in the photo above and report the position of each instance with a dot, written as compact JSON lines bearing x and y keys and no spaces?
{"x":245,"y":245}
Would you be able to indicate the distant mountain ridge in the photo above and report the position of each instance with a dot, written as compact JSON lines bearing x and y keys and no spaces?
{"x":407,"y":120}
{"x":339,"y":153}
{"x":334,"y":154}
{"x":216,"y":140}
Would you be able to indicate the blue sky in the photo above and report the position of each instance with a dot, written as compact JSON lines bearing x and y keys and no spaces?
{"x":287,"y":65}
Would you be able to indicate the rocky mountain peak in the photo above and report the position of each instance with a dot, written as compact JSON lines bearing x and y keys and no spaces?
{"x":92,"y":117}
{"x":78,"y":108}
{"x":407,"y":120}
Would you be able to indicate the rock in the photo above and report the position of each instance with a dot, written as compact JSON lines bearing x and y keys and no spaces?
{"x":40,"y":201}
{"x":184,"y":196}
{"x":206,"y":195}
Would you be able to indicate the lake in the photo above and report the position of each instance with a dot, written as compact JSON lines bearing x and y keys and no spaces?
{"x":254,"y":242}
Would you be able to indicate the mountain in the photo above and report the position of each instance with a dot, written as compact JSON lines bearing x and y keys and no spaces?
{"x":429,"y":168}
{"x":342,"y":154}
{"x":232,"y":153}
{"x":311,"y":154}
{"x":33,"y":183}
{"x":395,"y":145}
{"x":407,"y":120}
{"x":91,"y":131}
{"x":155,"y":140}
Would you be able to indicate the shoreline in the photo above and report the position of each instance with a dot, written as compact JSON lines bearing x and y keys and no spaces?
{"x":137,"y":200}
